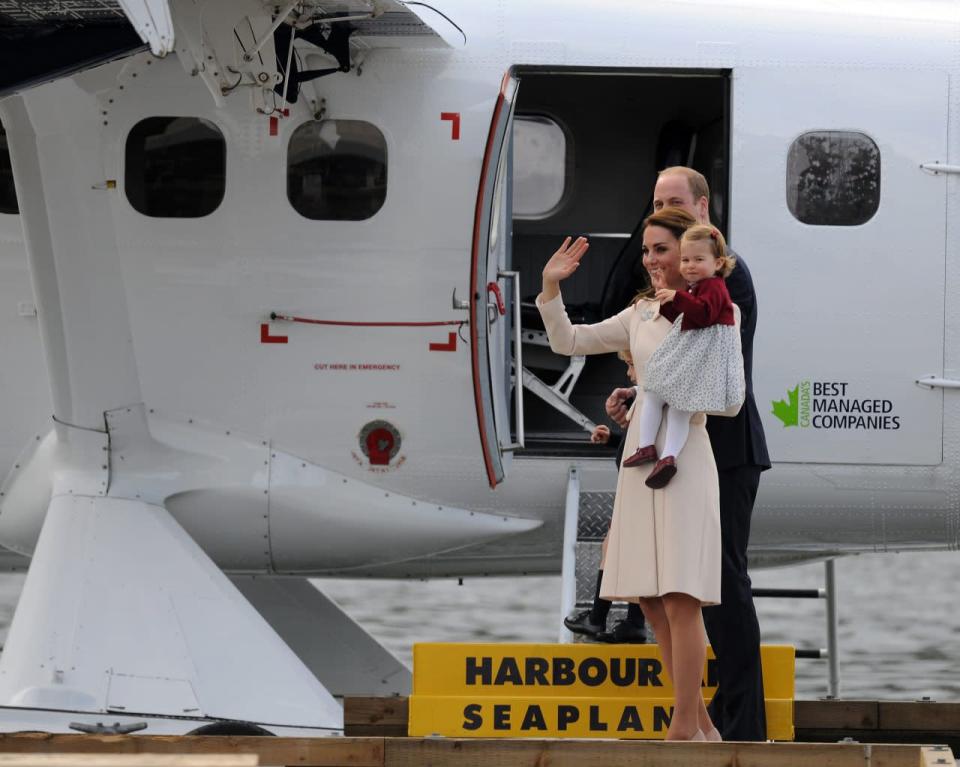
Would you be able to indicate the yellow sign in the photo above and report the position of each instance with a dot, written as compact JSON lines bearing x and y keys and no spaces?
{"x":566,"y":691}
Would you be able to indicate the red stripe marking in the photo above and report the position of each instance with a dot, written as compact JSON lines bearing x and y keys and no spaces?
{"x":266,"y":338}
{"x":351,"y":324}
{"x":454,"y":118}
{"x":449,"y":346}
{"x":274,"y":126}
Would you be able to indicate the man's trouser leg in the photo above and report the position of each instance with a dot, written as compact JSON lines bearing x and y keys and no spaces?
{"x":732,"y":626}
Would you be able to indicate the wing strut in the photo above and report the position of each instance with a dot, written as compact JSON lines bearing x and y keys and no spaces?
{"x":123,"y":612}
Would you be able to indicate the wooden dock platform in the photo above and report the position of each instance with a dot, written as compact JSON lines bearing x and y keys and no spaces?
{"x":890,"y":734}
{"x":815,"y":721}
{"x":443,"y":752}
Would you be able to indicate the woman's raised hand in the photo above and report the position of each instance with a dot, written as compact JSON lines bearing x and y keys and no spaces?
{"x":562,"y":264}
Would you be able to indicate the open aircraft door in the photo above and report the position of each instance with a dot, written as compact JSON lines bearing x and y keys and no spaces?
{"x":830,"y":158}
{"x":495,"y":296}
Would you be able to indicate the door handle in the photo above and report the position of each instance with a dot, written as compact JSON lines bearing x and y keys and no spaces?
{"x":936,"y":382}
{"x":517,"y":359}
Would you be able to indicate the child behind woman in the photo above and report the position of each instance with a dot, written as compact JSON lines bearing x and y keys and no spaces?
{"x":593,"y":622}
{"x":698,"y":367}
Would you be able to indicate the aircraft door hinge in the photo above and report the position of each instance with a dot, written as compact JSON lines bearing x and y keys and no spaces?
{"x":459,"y":304}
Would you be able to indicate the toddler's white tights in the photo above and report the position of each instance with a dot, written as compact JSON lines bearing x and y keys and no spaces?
{"x":678,"y":425}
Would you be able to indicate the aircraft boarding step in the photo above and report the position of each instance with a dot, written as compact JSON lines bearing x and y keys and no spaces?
{"x":586,"y":523}
{"x":593,"y":521}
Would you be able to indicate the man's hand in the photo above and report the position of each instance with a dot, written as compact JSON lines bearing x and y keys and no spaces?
{"x":616,"y":405}
{"x":665,"y":295}
{"x":600,"y":435}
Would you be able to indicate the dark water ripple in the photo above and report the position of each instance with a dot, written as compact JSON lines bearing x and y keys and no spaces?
{"x":899,"y":619}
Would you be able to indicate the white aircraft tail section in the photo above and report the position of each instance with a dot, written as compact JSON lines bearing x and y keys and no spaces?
{"x":122,"y":612}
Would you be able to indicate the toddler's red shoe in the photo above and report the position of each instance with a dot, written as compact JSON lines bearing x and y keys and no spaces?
{"x":662,"y":473}
{"x":642,"y":456}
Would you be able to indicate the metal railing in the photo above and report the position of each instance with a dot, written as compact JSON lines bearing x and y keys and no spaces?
{"x":829,"y":593}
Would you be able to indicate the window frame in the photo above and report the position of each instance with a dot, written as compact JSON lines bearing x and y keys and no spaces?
{"x":849,"y":131}
{"x":16,"y":198}
{"x":568,"y":164}
{"x":226,"y":164}
{"x":388,"y":149}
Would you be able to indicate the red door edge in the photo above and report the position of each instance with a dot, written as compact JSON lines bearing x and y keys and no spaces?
{"x":474,"y":286}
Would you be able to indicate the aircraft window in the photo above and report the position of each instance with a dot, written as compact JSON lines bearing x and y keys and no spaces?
{"x":175,"y":167}
{"x":833,"y":178}
{"x":539,"y":166}
{"x":337,"y":170}
{"x":8,"y":194}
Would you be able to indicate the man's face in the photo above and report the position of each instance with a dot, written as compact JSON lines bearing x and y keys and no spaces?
{"x":673,"y":191}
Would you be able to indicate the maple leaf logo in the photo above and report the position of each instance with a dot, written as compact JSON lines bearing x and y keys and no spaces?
{"x":789,"y":411}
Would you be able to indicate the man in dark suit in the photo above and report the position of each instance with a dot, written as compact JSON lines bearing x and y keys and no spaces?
{"x":740,"y":450}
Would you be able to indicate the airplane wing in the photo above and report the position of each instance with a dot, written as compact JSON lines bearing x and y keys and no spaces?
{"x":42,"y":40}
{"x":409,"y":24}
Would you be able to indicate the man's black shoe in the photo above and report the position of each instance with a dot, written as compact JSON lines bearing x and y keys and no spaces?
{"x":625,"y":632}
{"x":581,"y":624}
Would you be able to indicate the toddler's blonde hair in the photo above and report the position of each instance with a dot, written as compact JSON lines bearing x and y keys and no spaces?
{"x":707,"y":233}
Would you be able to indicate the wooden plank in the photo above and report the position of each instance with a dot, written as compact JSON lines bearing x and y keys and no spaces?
{"x":305,"y":752}
{"x":443,"y":752}
{"x":129,"y":760}
{"x":836,"y":714}
{"x":384,"y":717}
{"x":936,"y":756}
{"x":919,"y":715}
{"x":375,"y":731}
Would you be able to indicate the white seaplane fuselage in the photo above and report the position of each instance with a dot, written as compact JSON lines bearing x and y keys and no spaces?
{"x":171,"y":315}
{"x":378,"y":442}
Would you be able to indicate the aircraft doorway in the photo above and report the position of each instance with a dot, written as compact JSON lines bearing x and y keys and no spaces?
{"x":587,"y":149}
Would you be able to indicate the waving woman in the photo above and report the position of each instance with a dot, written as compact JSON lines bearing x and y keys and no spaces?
{"x":664,"y":545}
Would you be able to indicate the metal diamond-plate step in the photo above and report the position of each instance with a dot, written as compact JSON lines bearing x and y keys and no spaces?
{"x":587,"y":564}
{"x":594,"y":517}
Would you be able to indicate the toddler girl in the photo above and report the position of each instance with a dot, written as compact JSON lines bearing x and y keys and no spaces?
{"x":698,"y":367}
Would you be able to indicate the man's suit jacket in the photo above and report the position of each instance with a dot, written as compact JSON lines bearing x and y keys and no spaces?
{"x":739,"y":441}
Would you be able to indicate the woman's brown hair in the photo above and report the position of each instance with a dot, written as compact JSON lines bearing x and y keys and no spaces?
{"x":674,"y":220}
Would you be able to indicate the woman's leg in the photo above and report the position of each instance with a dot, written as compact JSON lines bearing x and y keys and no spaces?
{"x":657,"y":618}
{"x":656,"y":614}
{"x":689,"y":653}
{"x":707,"y":727}
{"x":678,"y":429}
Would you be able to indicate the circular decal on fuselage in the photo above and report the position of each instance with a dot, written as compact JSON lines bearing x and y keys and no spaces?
{"x":380,"y":442}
